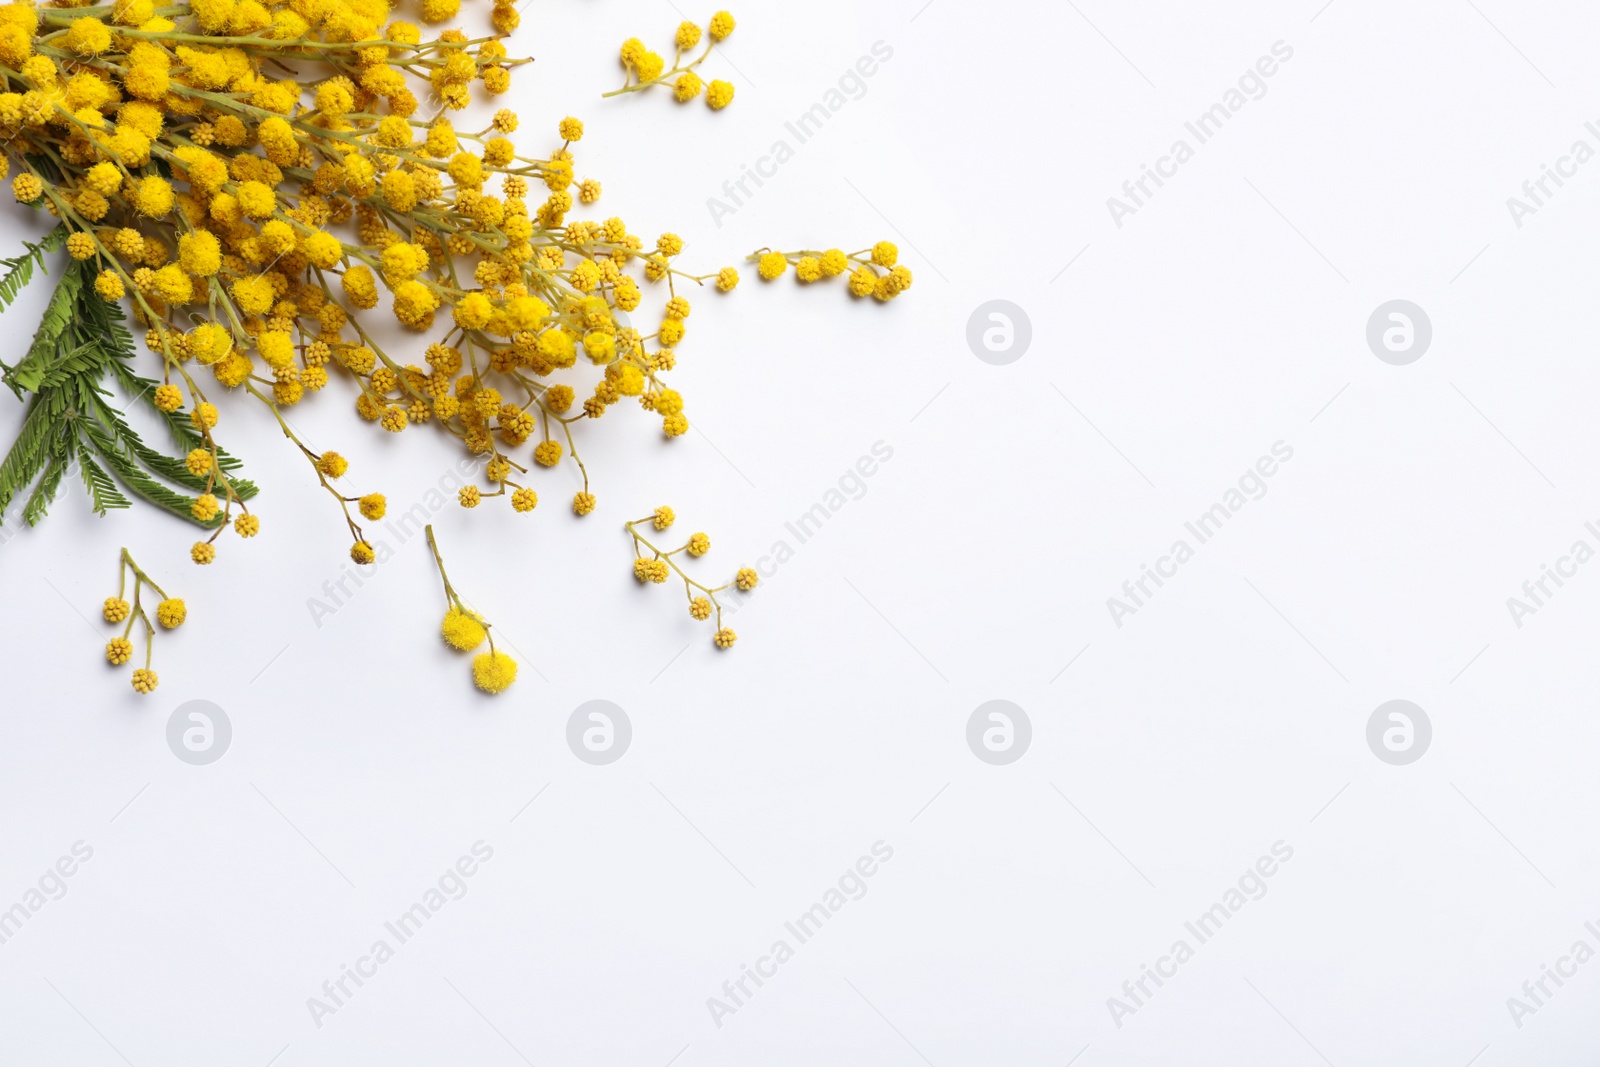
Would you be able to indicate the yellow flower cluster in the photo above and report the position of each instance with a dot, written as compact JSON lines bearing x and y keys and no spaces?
{"x":660,"y":565}
{"x":252,"y":215}
{"x":170,"y":613}
{"x":464,"y":630}
{"x":254,"y":176}
{"x":877,"y":272}
{"x":646,"y":69}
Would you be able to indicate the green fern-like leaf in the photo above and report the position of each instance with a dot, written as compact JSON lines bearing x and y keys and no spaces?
{"x":45,"y":492}
{"x":82,"y":345}
{"x":103,"y":494}
{"x":30,"y":373}
{"x":129,"y":474}
{"x":28,"y":453}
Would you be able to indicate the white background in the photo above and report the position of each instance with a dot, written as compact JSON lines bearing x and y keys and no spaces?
{"x":1228,"y":714}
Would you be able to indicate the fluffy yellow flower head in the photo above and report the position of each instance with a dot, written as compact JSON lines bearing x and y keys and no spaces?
{"x":171,"y":612}
{"x":772,"y":265}
{"x":155,"y":197}
{"x":200,"y":253}
{"x":88,"y":37}
{"x":493,"y":671}
{"x":463,"y":630}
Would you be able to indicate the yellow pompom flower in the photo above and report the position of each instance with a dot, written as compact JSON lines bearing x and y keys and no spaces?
{"x":473,"y":311}
{"x":155,"y":197}
{"x":462,"y":630}
{"x":173,"y":285}
{"x":440,"y":10}
{"x":115,"y":609}
{"x":276,"y":348}
{"x":650,"y":570}
{"x":360,"y":287}
{"x":210,"y":342}
{"x":863,"y":281}
{"x":200,"y":253}
{"x":493,"y":671}
{"x":104,"y":178}
{"x":256,"y":199}
{"x":649,"y":66}
{"x":322,"y":249}
{"x":721,"y":26}
{"x":772,"y":265}
{"x":254,"y":295}
{"x":27,"y":188}
{"x":399,"y":190}
{"x":88,"y":37}
{"x":16,"y":44}
{"x":171,"y":613}
{"x":719,"y":94}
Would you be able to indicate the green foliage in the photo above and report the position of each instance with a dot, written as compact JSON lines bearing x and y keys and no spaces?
{"x":19,"y":271}
{"x":82,"y":341}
